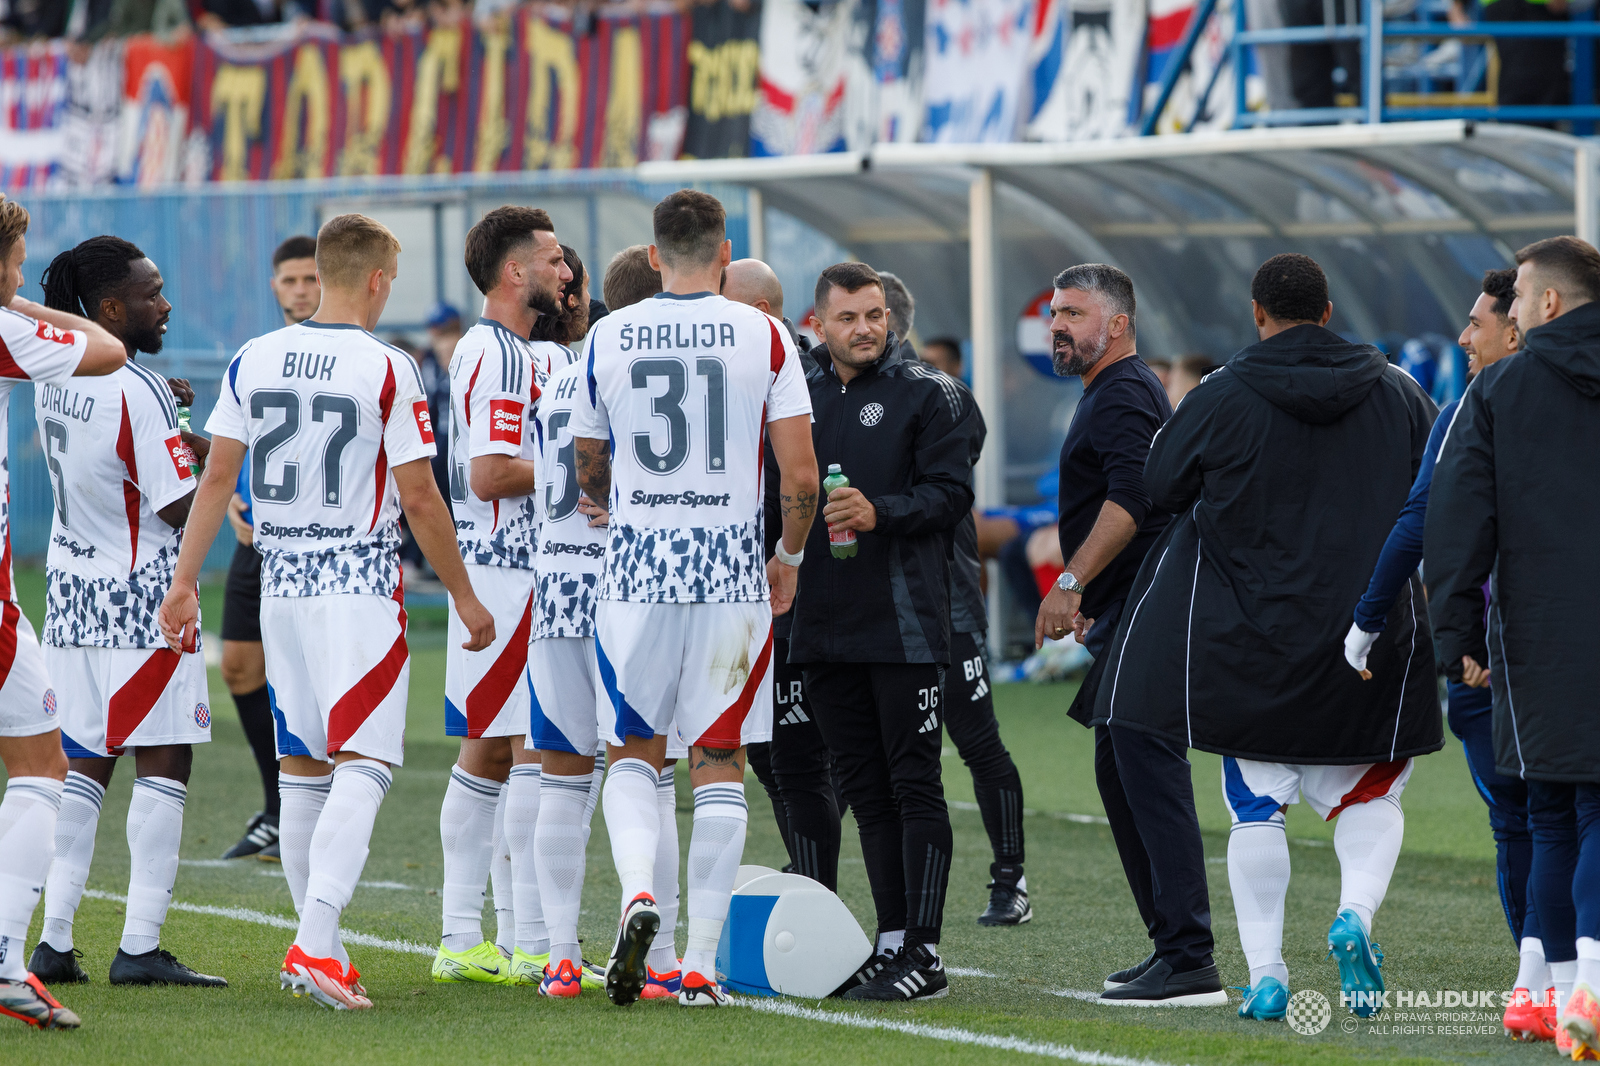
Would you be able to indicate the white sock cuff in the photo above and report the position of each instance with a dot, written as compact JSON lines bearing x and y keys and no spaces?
{"x":668,"y":777}
{"x":634,"y":766}
{"x":576,"y":786}
{"x":373,"y":774}
{"x":80,"y":787}
{"x":291,"y":784}
{"x":163,"y":790}
{"x":721,"y":799}
{"x":1533,"y":944}
{"x":45,"y":790}
{"x":459,"y":778}
{"x":1588,"y":948}
{"x":527,"y":769}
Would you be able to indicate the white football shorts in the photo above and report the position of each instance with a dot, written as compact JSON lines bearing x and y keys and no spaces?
{"x":28,"y":705}
{"x":111,"y":699}
{"x":1255,"y":790}
{"x":700,"y":673}
{"x":562,"y":683}
{"x":337,"y":673}
{"x":484,"y":693}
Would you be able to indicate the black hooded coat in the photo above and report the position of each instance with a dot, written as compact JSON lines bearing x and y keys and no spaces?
{"x":1516,"y":495}
{"x":1284,"y":471}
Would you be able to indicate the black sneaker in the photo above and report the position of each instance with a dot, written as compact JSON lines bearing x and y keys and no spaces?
{"x":1122,"y":977}
{"x":158,"y":967}
{"x":915,"y":973}
{"x":271,"y":853}
{"x":259,"y":832}
{"x":57,"y":967}
{"x":868,"y":970}
{"x":1160,"y":987}
{"x":1008,"y":905}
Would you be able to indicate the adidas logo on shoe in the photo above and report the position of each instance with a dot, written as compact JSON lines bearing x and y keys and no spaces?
{"x":794,"y":717}
{"x":931,"y":724}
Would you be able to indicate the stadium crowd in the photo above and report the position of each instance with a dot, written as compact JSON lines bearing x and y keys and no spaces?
{"x":1242,"y":548}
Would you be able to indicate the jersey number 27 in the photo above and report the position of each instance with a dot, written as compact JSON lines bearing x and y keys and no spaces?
{"x":323,"y":406}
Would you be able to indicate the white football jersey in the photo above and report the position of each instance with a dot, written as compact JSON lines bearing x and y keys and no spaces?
{"x":327,"y":410}
{"x":30,"y":350}
{"x":495,"y":380}
{"x":115,"y":459}
{"x":571,"y":554}
{"x":684,"y":387}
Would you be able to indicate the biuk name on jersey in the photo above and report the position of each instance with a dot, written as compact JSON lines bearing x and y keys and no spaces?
{"x":496,"y":378}
{"x":327,"y":410}
{"x":115,"y":457}
{"x":684,"y":387}
{"x":571,"y":553}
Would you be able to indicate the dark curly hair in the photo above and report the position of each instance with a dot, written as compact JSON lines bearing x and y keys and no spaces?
{"x":572,"y":324}
{"x":1291,"y":288}
{"x":79,"y":278}
{"x":1502,"y":285}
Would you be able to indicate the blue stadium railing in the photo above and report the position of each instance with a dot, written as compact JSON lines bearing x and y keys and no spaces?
{"x":1375,"y":35}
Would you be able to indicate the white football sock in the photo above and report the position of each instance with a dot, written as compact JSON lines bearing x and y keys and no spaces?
{"x":1533,"y":973}
{"x":28,"y":842}
{"x":1367,"y":839}
{"x":558,"y":859}
{"x":301,"y":800}
{"x":1588,"y":963}
{"x":74,"y":849}
{"x":1563,"y":975}
{"x":593,"y":800}
{"x":1258,"y":876}
{"x":466,"y":829}
{"x":523,"y":793}
{"x":155,"y":829}
{"x":501,"y":882}
{"x":634,"y":821}
{"x":715,"y":847}
{"x":339,"y":851}
{"x":890,"y":943}
{"x":663,"y":950}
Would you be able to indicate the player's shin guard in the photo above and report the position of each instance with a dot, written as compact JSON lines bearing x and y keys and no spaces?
{"x":27,"y":841}
{"x":633,"y":819}
{"x":523,"y":794}
{"x":467,"y":831}
{"x":155,"y":828}
{"x":664,"y":951}
{"x":558,"y":860}
{"x":339,"y":851}
{"x":76,"y":824}
{"x":1258,"y":876}
{"x":502,"y":882}
{"x":1367,"y":839}
{"x":715,"y":848}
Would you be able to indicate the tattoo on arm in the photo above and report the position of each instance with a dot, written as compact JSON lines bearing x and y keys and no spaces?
{"x":802,"y":505}
{"x":718,"y":757}
{"x":594,"y":468}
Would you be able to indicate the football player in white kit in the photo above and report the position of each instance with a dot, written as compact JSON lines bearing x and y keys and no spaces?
{"x":496,"y":377}
{"x":337,"y":428}
{"x":120,"y":472}
{"x":49,"y":348}
{"x":686,"y":384}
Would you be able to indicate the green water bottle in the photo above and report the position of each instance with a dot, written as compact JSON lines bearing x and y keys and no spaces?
{"x":183,"y":427}
{"x":842,"y":542}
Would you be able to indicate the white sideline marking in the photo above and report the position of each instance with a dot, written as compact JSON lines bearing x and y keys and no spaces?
{"x":210,"y":864}
{"x":949,"y":1034}
{"x":1077,"y":993}
{"x":964,"y":971}
{"x":276,"y":921}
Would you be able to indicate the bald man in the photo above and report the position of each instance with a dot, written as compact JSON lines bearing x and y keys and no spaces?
{"x":794,"y":767}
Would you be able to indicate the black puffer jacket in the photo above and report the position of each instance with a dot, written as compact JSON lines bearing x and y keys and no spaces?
{"x":1284,"y":471}
{"x":1515,"y":495}
{"x":906,"y":435}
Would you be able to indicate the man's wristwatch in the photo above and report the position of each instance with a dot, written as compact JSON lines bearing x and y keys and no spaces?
{"x":1067,"y":583}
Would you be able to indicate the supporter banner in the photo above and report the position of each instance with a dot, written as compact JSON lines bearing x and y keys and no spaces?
{"x":724,"y":62}
{"x":976,"y":62}
{"x":33,"y":111}
{"x":805,"y":61}
{"x":542,"y":93}
{"x":1086,"y":56}
{"x":155,"y":111}
{"x":897,"y":62}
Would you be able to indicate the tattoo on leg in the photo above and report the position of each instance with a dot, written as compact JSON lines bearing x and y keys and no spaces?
{"x":718,"y":757}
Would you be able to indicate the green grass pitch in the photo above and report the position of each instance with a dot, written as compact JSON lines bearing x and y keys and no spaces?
{"x":1441,"y":927}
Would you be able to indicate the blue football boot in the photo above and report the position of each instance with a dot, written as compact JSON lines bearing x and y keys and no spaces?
{"x":1266,"y":1001}
{"x":1360,"y":963}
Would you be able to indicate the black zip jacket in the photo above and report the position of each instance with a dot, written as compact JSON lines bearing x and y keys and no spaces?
{"x":1514,"y":496}
{"x":906,"y":435}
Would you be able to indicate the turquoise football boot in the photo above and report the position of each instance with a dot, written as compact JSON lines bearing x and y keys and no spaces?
{"x":1360,"y":964}
{"x":1265,"y":1001}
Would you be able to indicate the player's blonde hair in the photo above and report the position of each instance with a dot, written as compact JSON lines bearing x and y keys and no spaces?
{"x":350,"y":247}
{"x":13,"y":224}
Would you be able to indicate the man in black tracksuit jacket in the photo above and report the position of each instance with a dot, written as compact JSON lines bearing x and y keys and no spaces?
{"x":1513,"y":501}
{"x":873,"y":631}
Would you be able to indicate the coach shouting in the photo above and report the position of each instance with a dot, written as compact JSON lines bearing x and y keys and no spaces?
{"x":872,"y":630}
{"x":1107,"y":527}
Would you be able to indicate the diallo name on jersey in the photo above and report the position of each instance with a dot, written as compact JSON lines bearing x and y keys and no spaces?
{"x":670,"y":335}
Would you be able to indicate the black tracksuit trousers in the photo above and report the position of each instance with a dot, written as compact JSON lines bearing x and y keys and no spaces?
{"x":881,"y":722}
{"x":969,"y":719}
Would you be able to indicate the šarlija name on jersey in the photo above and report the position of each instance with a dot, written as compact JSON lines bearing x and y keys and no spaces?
{"x":670,"y":335}
{"x":268,"y":529}
{"x":640,"y":498}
